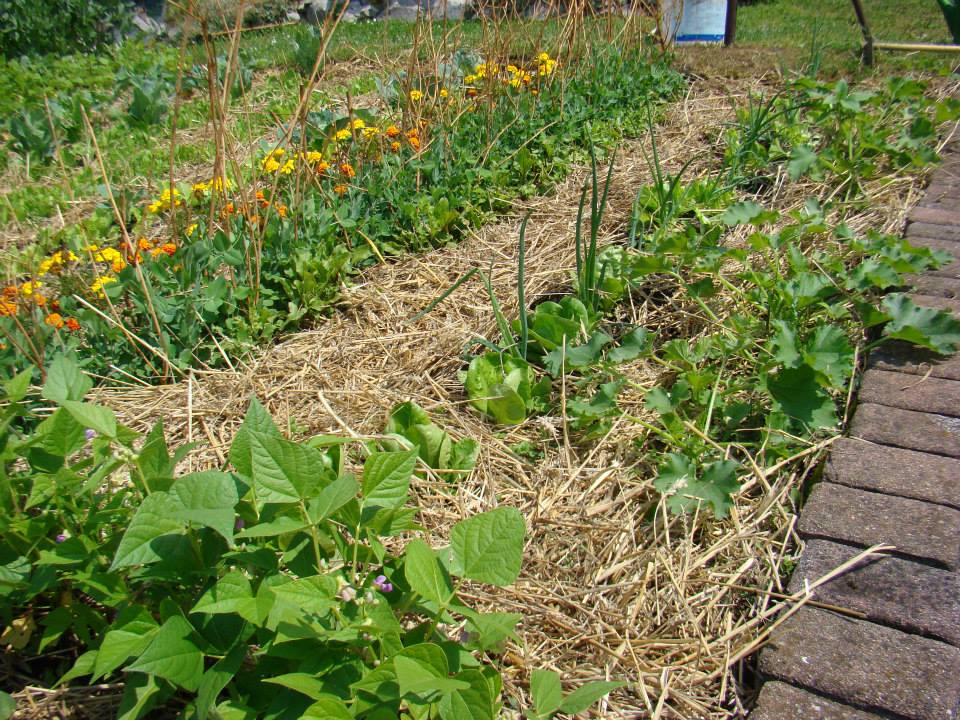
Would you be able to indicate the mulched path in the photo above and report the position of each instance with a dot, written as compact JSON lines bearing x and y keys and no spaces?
{"x":895,"y":650}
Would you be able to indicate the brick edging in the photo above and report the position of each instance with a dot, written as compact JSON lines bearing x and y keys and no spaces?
{"x":896,"y":481}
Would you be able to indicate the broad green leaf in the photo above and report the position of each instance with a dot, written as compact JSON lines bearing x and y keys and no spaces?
{"x":419,"y":674}
{"x":546,"y":692}
{"x":217,"y":678}
{"x":632,"y":346}
{"x":256,"y":420}
{"x":506,"y":405}
{"x":742,"y":213}
{"x":935,"y":330}
{"x":173,"y":655}
{"x":586,"y":695}
{"x":135,"y":628}
{"x":488,"y":547}
{"x":493,"y":629}
{"x":279,"y":526}
{"x":328,"y":707}
{"x":784,"y":342}
{"x":425,"y":574}
{"x":475,"y":702}
{"x":91,"y":416}
{"x":484,"y":372}
{"x":802,"y":160}
{"x":304,"y":683}
{"x":157,"y":516}
{"x":386,"y":478}
{"x":578,"y":356}
{"x":65,"y":381}
{"x":297,"y":599}
{"x":796,"y":392}
{"x":231,"y":593}
{"x":208,"y":499}
{"x":282,"y":471}
{"x":829,"y":352}
{"x":8,"y":705}
{"x":140,"y":694}
{"x":333,"y":497}
{"x":16,"y":388}
{"x":81,"y":668}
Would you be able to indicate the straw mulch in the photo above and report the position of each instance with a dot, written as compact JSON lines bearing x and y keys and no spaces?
{"x":612,"y":586}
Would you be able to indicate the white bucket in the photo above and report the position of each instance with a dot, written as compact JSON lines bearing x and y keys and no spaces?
{"x":686,"y":21}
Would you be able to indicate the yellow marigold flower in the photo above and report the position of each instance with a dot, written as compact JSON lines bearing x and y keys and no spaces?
{"x":359,"y":124}
{"x":341,"y":189}
{"x":54,"y":320}
{"x":513,"y":69}
{"x":270,"y":164}
{"x":91,"y":248}
{"x":100,"y":283}
{"x":342,"y":135}
{"x":543,"y":57}
{"x":200,"y":188}
{"x":312,"y":157}
{"x":470,"y":79}
{"x":443,"y":92}
{"x":191,"y":229}
{"x":371,"y":131}
{"x":155,"y":207}
{"x":416,"y":95}
{"x":277,"y":153}
{"x":30,"y":287}
{"x":395,"y":146}
{"x":393,"y":131}
{"x":287,"y":167}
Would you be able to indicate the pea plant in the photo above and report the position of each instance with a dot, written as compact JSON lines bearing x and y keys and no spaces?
{"x":283,"y":585}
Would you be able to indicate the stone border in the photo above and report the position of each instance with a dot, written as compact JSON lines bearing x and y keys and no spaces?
{"x":896,"y":481}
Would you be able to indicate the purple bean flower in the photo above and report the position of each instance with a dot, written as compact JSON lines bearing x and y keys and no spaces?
{"x":62,"y":537}
{"x":90,"y":434}
{"x":239,"y":524}
{"x":348,"y":594}
{"x":382,"y":584}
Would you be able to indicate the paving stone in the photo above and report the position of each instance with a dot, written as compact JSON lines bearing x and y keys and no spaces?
{"x":934,"y":216}
{"x":924,"y":394}
{"x":894,"y":471}
{"x":905,"y":358}
{"x":920,"y":530}
{"x":926,"y":432}
{"x":943,"y":232}
{"x":864,"y":664}
{"x":868,"y":665}
{"x":934,"y":285}
{"x":779,"y":701}
{"x":950,"y":304}
{"x":906,"y":595}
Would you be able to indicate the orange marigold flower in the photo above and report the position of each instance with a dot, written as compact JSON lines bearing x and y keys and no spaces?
{"x":348,"y":171}
{"x":322,"y":167}
{"x":168,"y":248}
{"x":393,"y":131}
{"x":55,"y":305}
{"x":229,"y":208}
{"x":54,"y":320}
{"x":412,"y":133}
{"x":10,"y":292}
{"x":118,"y":264}
{"x":40,"y":300}
{"x":144,"y":244}
{"x":341,"y":189}
{"x":7,"y":308}
{"x":414,"y":143}
{"x":282,"y":210}
{"x":471,"y":92}
{"x":73,"y":324}
{"x":395,"y":146}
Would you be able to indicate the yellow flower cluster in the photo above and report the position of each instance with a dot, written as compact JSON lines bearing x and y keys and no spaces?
{"x":168,"y":198}
{"x":217,"y":184}
{"x":97,"y":287}
{"x":107,"y":255}
{"x":546,"y":65}
{"x":55,"y":262}
{"x":518,"y":77}
{"x":416,"y":95}
{"x":272,"y":162}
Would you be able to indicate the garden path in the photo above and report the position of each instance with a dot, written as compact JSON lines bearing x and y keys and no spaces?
{"x":894,"y":650}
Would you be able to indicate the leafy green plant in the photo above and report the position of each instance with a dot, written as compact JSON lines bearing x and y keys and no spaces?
{"x":59,"y":26}
{"x":449,"y":458}
{"x":266,"y":588}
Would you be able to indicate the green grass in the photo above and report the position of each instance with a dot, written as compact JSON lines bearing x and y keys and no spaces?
{"x":826,"y":32}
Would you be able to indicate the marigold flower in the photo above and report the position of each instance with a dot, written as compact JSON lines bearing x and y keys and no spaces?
{"x":40,"y":300}
{"x":347,"y":170}
{"x":359,"y":124}
{"x":118,"y":264}
{"x":412,"y":133}
{"x":370,"y":131}
{"x":416,"y":95}
{"x":144,"y":244}
{"x":270,"y":165}
{"x":443,"y":92}
{"x":73,"y":324}
{"x":341,"y":189}
{"x":414,"y":142}
{"x":342,"y":135}
{"x":30,"y":287}
{"x":395,"y":146}
{"x":10,"y":292}
{"x":282,"y":210}
{"x":168,"y":248}
{"x":470,"y":79}
{"x":7,"y":308}
{"x":313,"y":157}
{"x":471,"y":92}
{"x":287,"y":167}
{"x":393,"y":132}
{"x":191,"y":228}
{"x":229,"y":208}
{"x":168,"y":198}
{"x":322,"y":167}
{"x":54,"y":320}
{"x":54,"y":305}
{"x":100,"y":283}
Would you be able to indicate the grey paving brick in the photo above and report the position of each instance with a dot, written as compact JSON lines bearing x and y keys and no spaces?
{"x":934,"y":216}
{"x":934,"y":285}
{"x":906,"y":595}
{"x":779,"y":701}
{"x":894,"y":471}
{"x":916,"y":529}
{"x":950,"y":304}
{"x":865,"y":664}
{"x":926,"y":432}
{"x":905,"y":358}
{"x":924,"y":394}
{"x":943,"y":232}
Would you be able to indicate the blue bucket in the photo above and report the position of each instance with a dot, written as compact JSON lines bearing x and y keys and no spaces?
{"x":693,"y":21}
